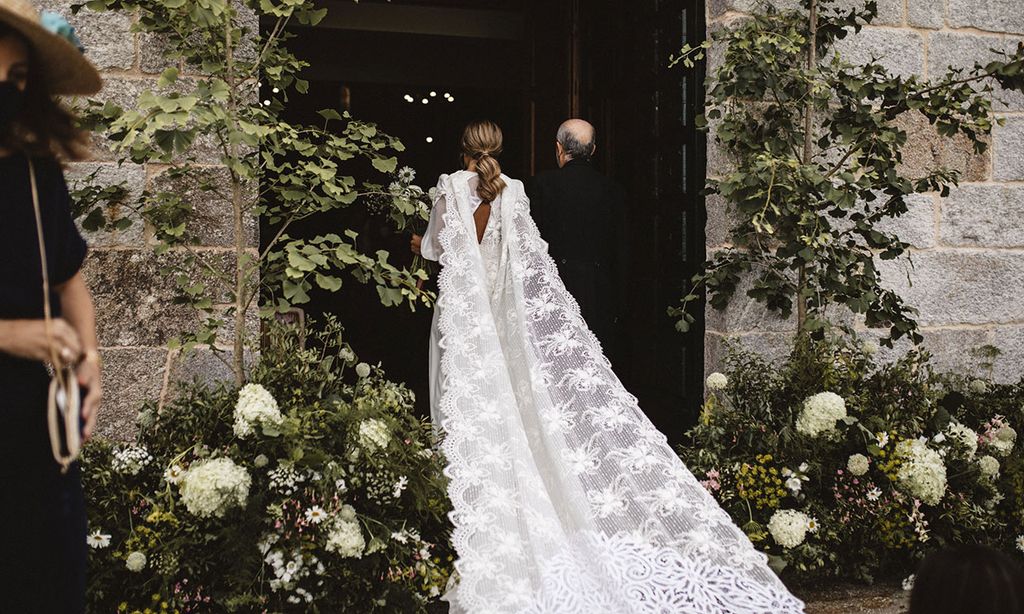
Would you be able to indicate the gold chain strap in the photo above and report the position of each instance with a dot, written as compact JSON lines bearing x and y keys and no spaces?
{"x":63,"y":401}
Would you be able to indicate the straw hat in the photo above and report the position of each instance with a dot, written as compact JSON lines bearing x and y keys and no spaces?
{"x":66,"y":69}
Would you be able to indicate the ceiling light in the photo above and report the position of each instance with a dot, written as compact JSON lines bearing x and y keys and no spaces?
{"x":433,"y":93}
{"x":430,"y":139}
{"x":424,"y":101}
{"x":409,"y":98}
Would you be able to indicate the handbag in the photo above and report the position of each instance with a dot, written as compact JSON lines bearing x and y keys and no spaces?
{"x":63,"y":407}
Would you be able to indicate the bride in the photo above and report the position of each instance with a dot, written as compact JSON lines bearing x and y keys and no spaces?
{"x":566,"y":498}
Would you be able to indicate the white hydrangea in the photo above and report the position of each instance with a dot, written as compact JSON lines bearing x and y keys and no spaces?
{"x":965,"y":436}
{"x":255,"y":407}
{"x":130,"y":460}
{"x":346,"y":538}
{"x":820,"y":413}
{"x":989,"y":466}
{"x":922,"y":473}
{"x":373,"y":434}
{"x":1004,"y":440}
{"x":789,"y":527}
{"x":363,"y":370}
{"x":717,"y":381}
{"x":212,"y":487}
{"x":136,"y":561}
{"x":857,"y":464}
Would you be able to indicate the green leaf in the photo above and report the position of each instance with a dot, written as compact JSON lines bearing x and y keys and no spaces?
{"x":385,"y":165}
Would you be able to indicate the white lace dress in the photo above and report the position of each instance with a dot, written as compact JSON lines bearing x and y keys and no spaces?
{"x":566,"y":498}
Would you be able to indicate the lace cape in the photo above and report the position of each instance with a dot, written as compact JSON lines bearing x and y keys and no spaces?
{"x":566,"y":498}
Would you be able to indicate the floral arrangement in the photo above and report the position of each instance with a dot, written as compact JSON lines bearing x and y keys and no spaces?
{"x":312,"y":488}
{"x":838,"y":466}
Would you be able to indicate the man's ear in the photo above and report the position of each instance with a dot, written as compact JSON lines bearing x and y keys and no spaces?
{"x":559,"y":150}
{"x":593,"y":148}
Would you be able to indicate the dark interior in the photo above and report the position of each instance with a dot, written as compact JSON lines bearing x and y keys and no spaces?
{"x":528,"y":65}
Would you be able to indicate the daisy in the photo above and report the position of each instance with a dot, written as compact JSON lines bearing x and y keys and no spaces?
{"x":97,"y":540}
{"x":316,"y":514}
{"x":874,"y":494}
{"x":173,"y":474}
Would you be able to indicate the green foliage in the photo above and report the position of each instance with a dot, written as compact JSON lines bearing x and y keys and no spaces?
{"x":752,"y":453}
{"x":316,"y":459}
{"x":816,"y":148}
{"x":220,"y":103}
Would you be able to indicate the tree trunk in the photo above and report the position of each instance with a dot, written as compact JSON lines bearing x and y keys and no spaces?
{"x":812,"y":62}
{"x":238,"y":359}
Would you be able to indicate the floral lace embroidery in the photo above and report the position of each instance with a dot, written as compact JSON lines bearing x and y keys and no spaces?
{"x":566,"y":498}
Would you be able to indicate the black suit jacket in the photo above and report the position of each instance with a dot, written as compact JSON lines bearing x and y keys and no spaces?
{"x":581,"y":214}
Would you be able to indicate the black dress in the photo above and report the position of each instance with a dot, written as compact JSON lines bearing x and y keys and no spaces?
{"x":42,"y":513}
{"x":580,"y":213}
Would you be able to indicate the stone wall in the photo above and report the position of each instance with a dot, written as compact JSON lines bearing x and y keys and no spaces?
{"x":967,"y":278}
{"x":135,"y":314}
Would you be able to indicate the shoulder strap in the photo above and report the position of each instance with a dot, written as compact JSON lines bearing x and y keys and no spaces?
{"x":63,"y":400}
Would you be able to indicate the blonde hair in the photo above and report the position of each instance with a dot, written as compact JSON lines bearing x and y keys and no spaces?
{"x":482,"y":141}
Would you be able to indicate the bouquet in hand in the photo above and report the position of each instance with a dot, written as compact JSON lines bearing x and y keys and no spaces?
{"x":408,"y":207}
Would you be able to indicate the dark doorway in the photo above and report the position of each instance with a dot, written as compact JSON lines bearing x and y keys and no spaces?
{"x":528,"y":65}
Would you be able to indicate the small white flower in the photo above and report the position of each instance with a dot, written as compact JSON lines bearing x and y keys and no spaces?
{"x":97,"y":540}
{"x":794,"y":484}
{"x":399,"y":486}
{"x":400,"y":537}
{"x":874,"y":494}
{"x":347,"y":513}
{"x":136,"y":561}
{"x":347,"y":355}
{"x":857,"y":464}
{"x":173,"y":474}
{"x":363,"y":369}
{"x":870,"y":348}
{"x":316,"y":514}
{"x":908,"y":583}
{"x":803,"y":467}
{"x":130,"y":460}
{"x":261,"y":461}
{"x":1020,"y":543}
{"x":882,"y":439}
{"x":717,"y":381}
{"x":406,"y":174}
{"x":978,"y":386}
{"x":939,"y":438}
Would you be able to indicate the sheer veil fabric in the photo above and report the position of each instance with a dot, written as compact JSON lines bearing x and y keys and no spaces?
{"x":566,"y":498}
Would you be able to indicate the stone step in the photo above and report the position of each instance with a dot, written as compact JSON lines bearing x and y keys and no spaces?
{"x":853,"y":599}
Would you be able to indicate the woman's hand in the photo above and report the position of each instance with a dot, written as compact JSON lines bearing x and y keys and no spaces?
{"x":415,"y":244}
{"x":88,"y":373}
{"x":28,"y":339}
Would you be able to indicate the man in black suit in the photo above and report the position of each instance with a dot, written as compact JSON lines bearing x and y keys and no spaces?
{"x":580,"y":213}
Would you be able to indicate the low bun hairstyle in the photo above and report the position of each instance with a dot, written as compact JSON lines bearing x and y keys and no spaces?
{"x":482,"y":141}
